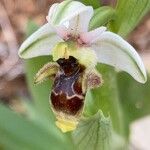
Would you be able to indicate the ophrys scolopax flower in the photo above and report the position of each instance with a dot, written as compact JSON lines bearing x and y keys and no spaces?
{"x":76,"y":51}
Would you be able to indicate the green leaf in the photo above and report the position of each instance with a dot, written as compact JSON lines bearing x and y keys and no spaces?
{"x":128,"y":14}
{"x":18,"y":133}
{"x":93,"y":133}
{"x":33,"y":114}
{"x":101,"y":17}
{"x":134,"y":97}
{"x":96,"y":133}
{"x":94,"y":3}
{"x":40,"y":92}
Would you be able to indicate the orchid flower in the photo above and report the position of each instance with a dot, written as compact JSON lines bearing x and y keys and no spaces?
{"x":76,"y":52}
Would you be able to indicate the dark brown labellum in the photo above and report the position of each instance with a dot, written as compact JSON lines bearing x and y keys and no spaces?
{"x":67,"y":95}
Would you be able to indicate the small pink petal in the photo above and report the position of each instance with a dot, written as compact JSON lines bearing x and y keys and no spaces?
{"x":62,"y":32}
{"x":90,"y":37}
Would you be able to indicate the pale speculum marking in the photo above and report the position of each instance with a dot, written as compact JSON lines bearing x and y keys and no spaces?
{"x":67,"y":95}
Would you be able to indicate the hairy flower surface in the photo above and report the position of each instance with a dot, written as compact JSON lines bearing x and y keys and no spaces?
{"x":76,"y":51}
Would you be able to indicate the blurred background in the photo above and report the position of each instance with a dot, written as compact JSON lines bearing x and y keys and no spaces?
{"x":14,"y":17}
